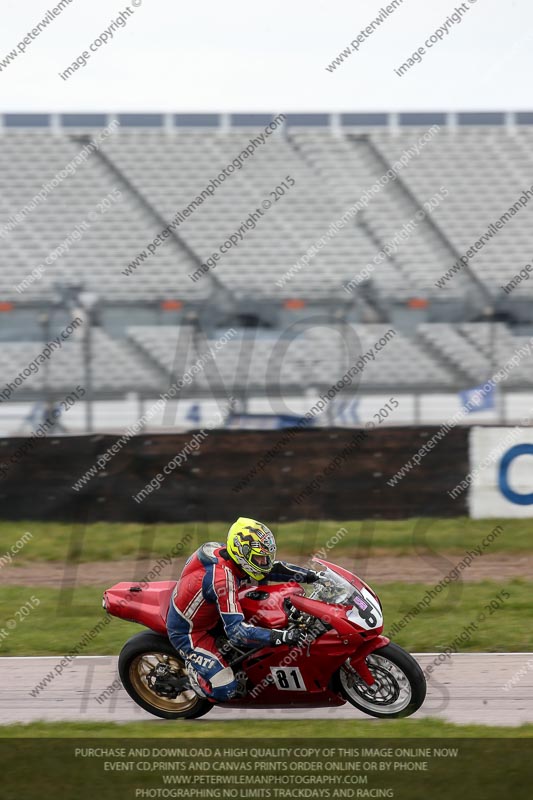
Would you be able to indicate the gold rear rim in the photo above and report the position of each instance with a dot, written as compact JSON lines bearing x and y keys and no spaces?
{"x":142,"y":678}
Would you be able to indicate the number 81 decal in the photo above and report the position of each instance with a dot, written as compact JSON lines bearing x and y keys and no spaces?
{"x":288,"y":679}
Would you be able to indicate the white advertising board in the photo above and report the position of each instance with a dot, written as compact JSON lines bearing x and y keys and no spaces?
{"x":501,"y":465}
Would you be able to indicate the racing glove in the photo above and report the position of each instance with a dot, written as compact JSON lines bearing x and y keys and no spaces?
{"x":323,"y":577}
{"x":293,"y":637}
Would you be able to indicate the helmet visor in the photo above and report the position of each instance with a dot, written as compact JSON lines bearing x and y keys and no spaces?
{"x":261,"y":560}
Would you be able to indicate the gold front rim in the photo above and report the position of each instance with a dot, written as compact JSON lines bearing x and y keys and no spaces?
{"x":140,"y":669}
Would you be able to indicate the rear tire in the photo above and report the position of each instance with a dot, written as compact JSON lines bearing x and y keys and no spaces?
{"x":136,"y":664}
{"x":399,"y":690}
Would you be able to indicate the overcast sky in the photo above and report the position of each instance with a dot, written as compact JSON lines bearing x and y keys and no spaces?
{"x":269,"y":56}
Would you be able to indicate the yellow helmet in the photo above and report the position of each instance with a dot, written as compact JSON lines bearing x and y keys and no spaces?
{"x":252,"y":546}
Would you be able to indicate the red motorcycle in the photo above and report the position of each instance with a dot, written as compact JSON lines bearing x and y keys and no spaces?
{"x":345,"y":657}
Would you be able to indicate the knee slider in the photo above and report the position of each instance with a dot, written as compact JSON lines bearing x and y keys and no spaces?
{"x":223,"y":684}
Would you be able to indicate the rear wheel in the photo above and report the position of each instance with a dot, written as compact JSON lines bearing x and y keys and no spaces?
{"x":399,"y":688}
{"x":153,"y":674}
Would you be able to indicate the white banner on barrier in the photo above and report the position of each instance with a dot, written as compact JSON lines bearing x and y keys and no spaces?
{"x":501,"y":464}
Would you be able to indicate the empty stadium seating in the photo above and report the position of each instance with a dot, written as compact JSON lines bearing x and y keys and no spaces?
{"x":160,"y":172}
{"x":313,"y":357}
{"x":116,"y":366}
{"x":438,"y":357}
{"x":122,"y":196}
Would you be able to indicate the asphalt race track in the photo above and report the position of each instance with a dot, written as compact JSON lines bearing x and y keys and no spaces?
{"x":465,"y":688}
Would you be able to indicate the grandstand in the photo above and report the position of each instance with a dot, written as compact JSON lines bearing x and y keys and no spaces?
{"x":89,"y":242}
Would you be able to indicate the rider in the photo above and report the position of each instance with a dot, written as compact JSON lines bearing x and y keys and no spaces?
{"x":207,"y":592}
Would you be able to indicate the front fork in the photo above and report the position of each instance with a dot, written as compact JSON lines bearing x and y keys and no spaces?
{"x":358,"y":661}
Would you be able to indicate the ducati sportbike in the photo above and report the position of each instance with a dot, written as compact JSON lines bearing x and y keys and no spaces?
{"x":345,"y":657}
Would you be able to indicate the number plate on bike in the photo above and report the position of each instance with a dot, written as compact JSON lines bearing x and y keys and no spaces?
{"x":288,"y":679}
{"x":366,"y":612}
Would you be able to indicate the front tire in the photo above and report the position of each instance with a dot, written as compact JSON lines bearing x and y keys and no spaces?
{"x":149,"y":666}
{"x":399,"y":689}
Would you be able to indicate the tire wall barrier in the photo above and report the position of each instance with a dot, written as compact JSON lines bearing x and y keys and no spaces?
{"x":326,"y":473}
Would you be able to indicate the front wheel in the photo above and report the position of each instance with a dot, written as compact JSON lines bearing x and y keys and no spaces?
{"x":153,"y":674}
{"x":399,"y":688}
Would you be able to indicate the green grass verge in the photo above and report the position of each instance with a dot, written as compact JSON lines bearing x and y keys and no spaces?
{"x":471,"y":761}
{"x":59,"y":541}
{"x":63,"y":620}
{"x":313,"y":728}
